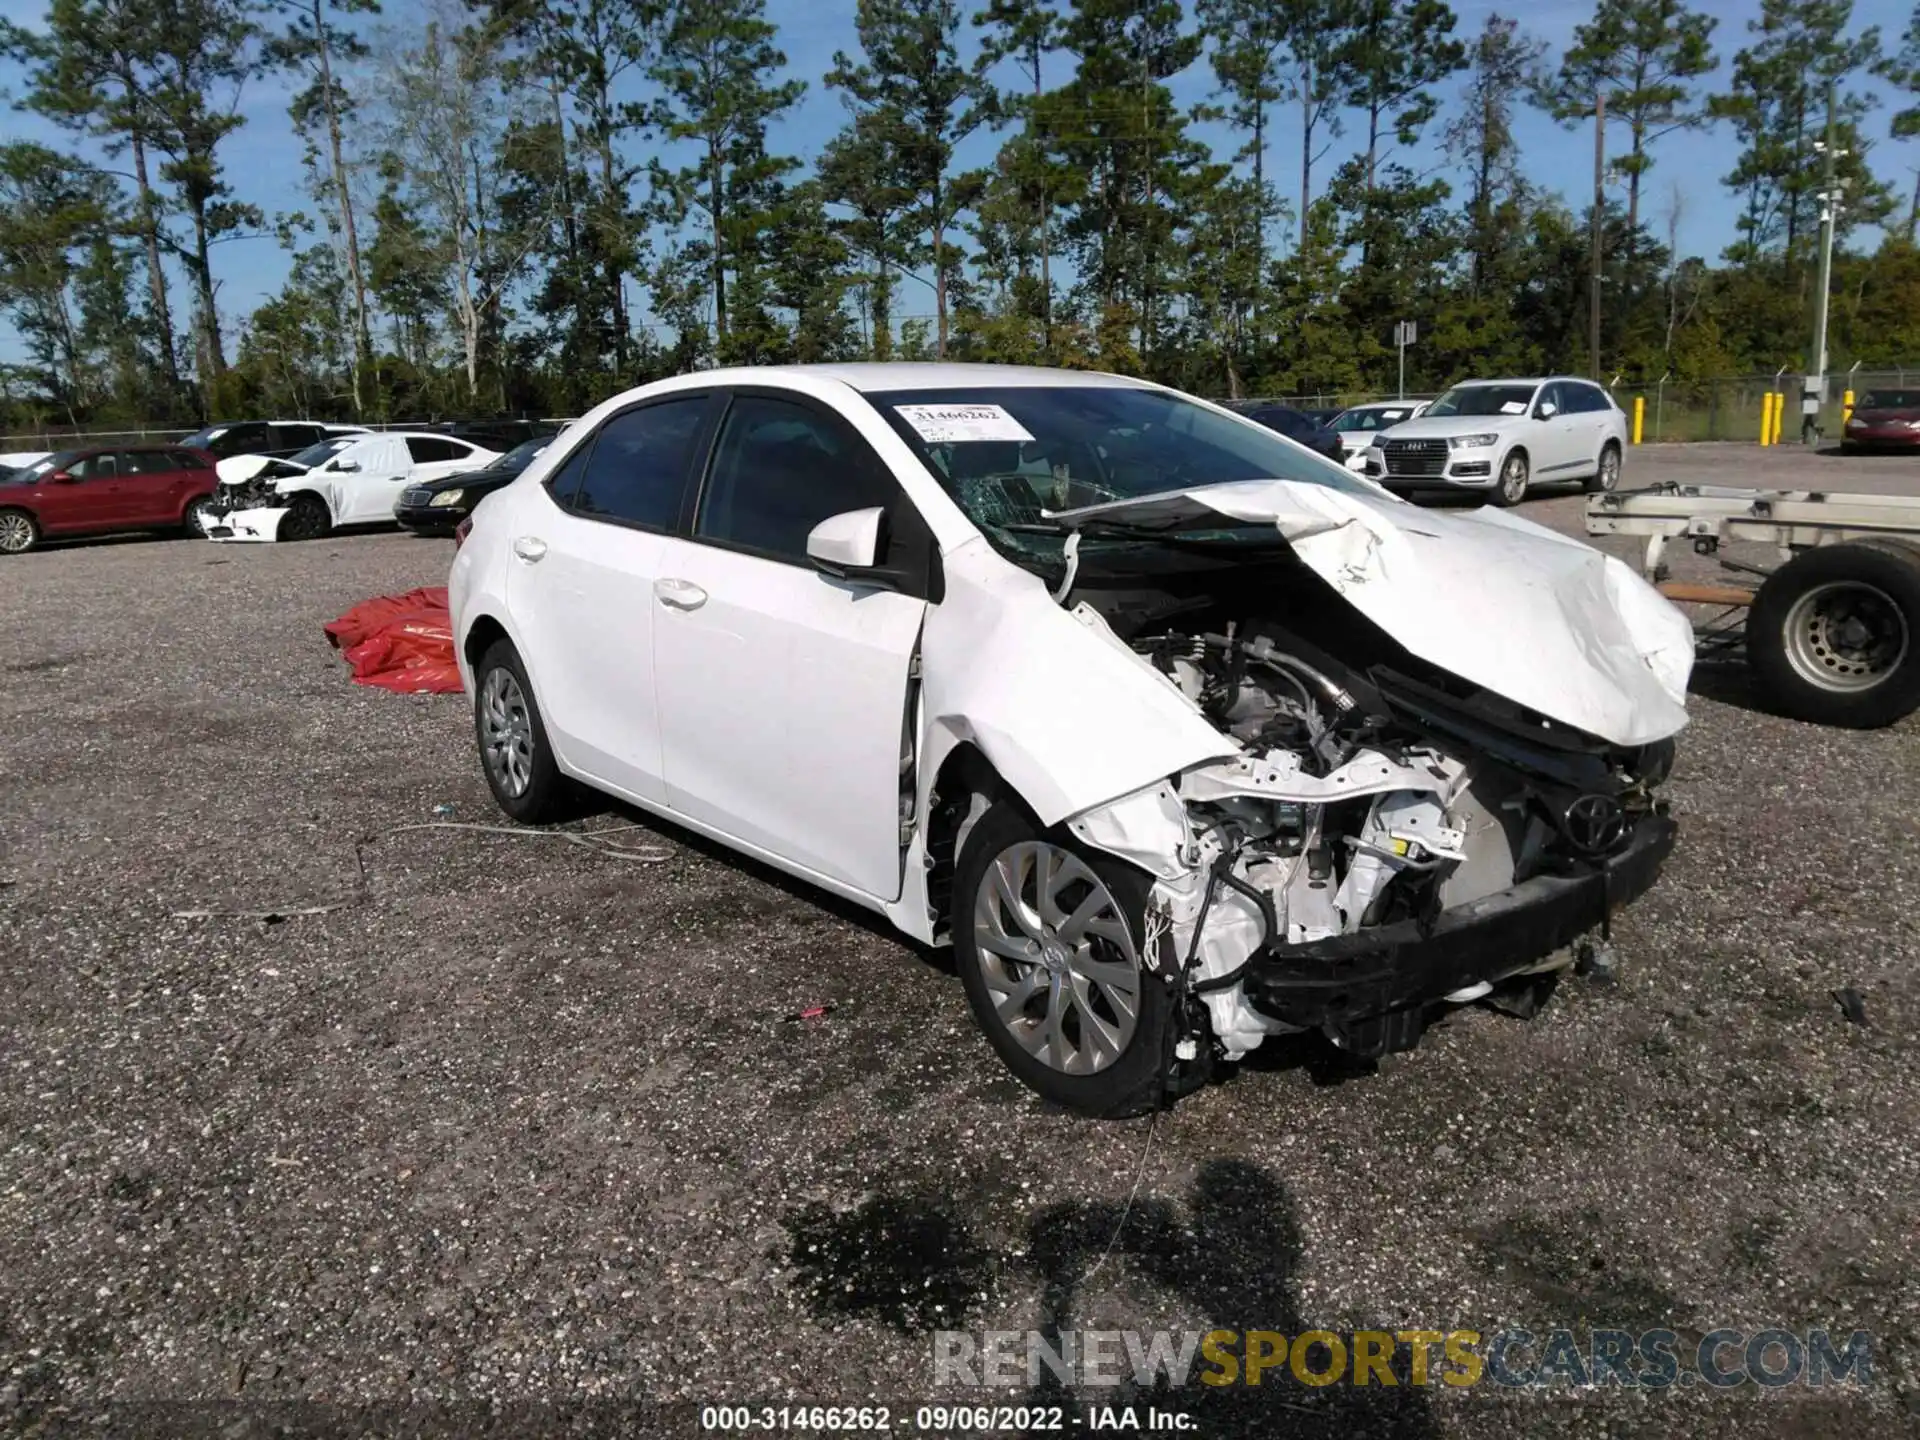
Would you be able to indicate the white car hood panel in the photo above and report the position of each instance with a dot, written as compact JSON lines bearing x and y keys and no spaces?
{"x":1545,"y":621}
{"x":1436,"y":427}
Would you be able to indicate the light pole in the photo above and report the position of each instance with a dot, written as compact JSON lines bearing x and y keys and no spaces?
{"x":1814,"y":392}
{"x":1599,"y":222}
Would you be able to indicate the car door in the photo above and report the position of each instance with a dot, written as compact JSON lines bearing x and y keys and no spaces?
{"x":367,"y":479}
{"x":148,"y":482}
{"x":784,"y":694}
{"x":98,"y":499}
{"x":580,"y":587}
{"x":1555,"y":443}
{"x":1597,"y":415}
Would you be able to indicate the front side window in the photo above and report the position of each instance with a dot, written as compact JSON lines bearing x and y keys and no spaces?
{"x":779,"y":469}
{"x":1485,"y":400}
{"x":317,"y":455}
{"x":637,"y":469}
{"x":96,"y":467}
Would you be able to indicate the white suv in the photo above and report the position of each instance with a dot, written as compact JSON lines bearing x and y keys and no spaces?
{"x":1499,"y":436}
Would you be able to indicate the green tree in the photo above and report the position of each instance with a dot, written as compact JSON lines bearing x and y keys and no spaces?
{"x":1248,"y":39}
{"x":1025,"y":32}
{"x":311,"y":46}
{"x":587,"y":50}
{"x":919,"y":102}
{"x":1903,"y":70}
{"x":1397,"y":50}
{"x":90,"y":70}
{"x":716,"y":67}
{"x":1644,"y":56}
{"x":54,"y":209}
{"x":1501,"y":66}
{"x":1777,"y":107}
{"x":1319,"y":37}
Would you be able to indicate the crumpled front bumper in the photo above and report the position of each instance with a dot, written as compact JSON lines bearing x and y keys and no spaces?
{"x":262,"y":523}
{"x":1372,"y":990}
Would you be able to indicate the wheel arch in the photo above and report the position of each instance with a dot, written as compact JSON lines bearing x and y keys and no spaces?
{"x":964,"y":783}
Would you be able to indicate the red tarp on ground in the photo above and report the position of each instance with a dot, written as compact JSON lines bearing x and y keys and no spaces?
{"x":400,"y":642}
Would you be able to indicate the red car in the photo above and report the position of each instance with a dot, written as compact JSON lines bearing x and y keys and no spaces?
{"x":98,"y":491}
{"x":1884,"y":420}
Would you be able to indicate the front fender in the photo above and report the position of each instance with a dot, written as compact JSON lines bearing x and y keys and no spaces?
{"x":1067,"y":715}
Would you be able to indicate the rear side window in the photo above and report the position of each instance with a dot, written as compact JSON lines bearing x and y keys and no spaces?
{"x":426,"y":451}
{"x":148,"y":462}
{"x":186,"y":460}
{"x":637,"y":468}
{"x":781,"y":468}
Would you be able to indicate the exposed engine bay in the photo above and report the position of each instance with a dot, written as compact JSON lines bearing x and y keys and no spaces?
{"x":1366,"y":795}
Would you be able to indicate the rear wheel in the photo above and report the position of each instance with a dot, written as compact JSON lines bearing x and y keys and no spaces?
{"x":1512,"y":488}
{"x":1047,"y":937}
{"x":306,"y":519}
{"x":19,"y":532}
{"x":1834,"y":634}
{"x":514,"y":751}
{"x":198,"y":516}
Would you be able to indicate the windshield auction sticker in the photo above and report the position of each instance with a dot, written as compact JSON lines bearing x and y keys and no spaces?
{"x":958,"y":424}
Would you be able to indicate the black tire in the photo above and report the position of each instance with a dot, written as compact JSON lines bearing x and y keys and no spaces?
{"x":306,"y":518}
{"x":1505,"y":492}
{"x":197,"y":516}
{"x":1834,"y":634}
{"x":547,"y":795}
{"x":1601,"y":481}
{"x":19,"y":532}
{"x":1129,"y":1084}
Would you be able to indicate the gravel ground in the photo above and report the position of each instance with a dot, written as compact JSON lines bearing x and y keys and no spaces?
{"x":517,"y":1135}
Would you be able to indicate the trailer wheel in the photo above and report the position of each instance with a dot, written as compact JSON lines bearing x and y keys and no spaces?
{"x":1834,"y":635}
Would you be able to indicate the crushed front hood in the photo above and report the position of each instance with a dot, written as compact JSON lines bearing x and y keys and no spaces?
{"x":1548,"y":622}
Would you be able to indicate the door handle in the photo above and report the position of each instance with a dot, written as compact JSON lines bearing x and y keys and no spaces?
{"x":679,"y":594}
{"x":529,"y":548}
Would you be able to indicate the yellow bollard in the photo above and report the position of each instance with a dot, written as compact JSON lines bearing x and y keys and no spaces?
{"x":1846,"y":407}
{"x":1766,"y":418}
{"x":1779,"y":413}
{"x":1639,"y":416}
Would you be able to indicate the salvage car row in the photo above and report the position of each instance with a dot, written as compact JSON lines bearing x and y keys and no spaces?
{"x":252,"y":481}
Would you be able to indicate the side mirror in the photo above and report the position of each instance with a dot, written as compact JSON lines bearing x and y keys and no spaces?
{"x":847,"y":544}
{"x":1546,"y":410}
{"x":59,"y":477}
{"x":348,"y":467}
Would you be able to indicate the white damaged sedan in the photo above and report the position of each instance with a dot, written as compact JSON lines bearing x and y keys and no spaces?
{"x":1182,"y":736}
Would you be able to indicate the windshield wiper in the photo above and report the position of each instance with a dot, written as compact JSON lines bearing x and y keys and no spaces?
{"x":1122,"y":530}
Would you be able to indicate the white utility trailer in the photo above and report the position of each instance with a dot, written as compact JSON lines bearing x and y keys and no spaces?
{"x":1833,"y":632}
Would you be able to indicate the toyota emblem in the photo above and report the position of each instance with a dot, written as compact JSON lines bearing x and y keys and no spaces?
{"x":1594,"y":824}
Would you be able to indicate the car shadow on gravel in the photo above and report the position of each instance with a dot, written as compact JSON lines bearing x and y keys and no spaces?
{"x":801,"y":892}
{"x":914,"y":1263}
{"x":1730,"y":682}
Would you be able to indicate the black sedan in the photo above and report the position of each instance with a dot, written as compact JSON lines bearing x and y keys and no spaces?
{"x":434,"y":507}
{"x":1298,"y":425}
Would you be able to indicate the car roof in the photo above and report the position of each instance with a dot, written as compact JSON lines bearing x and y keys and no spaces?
{"x":875,"y":377}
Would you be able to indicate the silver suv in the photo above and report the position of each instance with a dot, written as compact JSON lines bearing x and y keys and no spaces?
{"x":1499,"y":436}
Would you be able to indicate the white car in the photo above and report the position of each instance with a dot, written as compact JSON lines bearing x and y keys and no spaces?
{"x":352,"y":479}
{"x":1497,"y":437}
{"x":1357,"y":425}
{"x":1180,"y":734}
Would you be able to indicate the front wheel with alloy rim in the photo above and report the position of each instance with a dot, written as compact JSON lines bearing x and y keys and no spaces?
{"x":306,"y":519}
{"x":1606,"y":476}
{"x":1048,"y":940}
{"x":1834,"y":634}
{"x":514,"y":752}
{"x":1512,"y":488}
{"x":18,"y":532}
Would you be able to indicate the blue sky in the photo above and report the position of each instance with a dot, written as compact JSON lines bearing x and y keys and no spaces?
{"x":263,"y":159}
